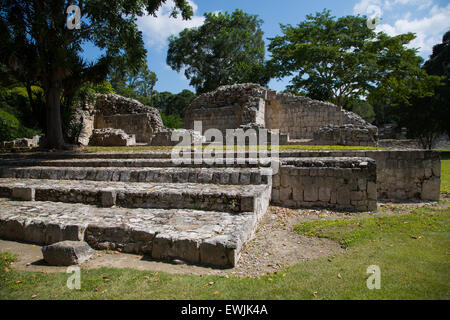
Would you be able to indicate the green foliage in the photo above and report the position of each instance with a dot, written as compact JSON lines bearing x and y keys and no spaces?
{"x":426,"y":115}
{"x":362,"y":108}
{"x":226,"y":49}
{"x":38,"y":47}
{"x":137,"y":84}
{"x":11,"y":128}
{"x":172,"y":120}
{"x":16,"y":116}
{"x":175,"y":104}
{"x":352,"y":231}
{"x":445,"y":172}
{"x":341,"y":59}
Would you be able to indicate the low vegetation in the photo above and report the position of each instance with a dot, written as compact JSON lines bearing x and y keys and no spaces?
{"x":410,"y":250}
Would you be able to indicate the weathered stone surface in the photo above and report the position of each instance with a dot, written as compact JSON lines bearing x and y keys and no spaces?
{"x":248,"y":104}
{"x":23,"y":193}
{"x":82,"y":124}
{"x":431,"y":189}
{"x":67,"y":253}
{"x":114,"y":111}
{"x":226,"y":198}
{"x":347,"y":135}
{"x":111,"y":104}
{"x":22,"y":143}
{"x":111,"y":137}
{"x":325,"y":182}
{"x":204,"y":237}
{"x":179,"y":136}
{"x":195,"y":212}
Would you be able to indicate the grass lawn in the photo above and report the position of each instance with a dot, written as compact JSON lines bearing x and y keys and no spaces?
{"x":412,"y":251}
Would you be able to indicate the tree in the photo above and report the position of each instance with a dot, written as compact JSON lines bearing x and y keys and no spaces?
{"x":137,"y":84}
{"x":173,"y":106}
{"x":41,"y":28}
{"x":427,"y":116}
{"x":342,"y":59}
{"x":226,"y":49}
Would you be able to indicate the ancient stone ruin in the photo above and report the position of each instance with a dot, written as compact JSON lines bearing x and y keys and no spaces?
{"x":300,"y":118}
{"x":112,"y":111}
{"x":201,"y":212}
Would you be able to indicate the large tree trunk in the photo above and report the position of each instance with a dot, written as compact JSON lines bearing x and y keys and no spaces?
{"x":54,"y":136}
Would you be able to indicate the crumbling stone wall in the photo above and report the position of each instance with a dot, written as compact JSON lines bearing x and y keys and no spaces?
{"x":111,"y":137}
{"x":114,"y":111}
{"x":346,"y":135}
{"x":230,"y":107}
{"x":142,"y":125}
{"x":117,"y":112}
{"x":302,"y":117}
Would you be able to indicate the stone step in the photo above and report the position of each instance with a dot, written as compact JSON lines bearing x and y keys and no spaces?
{"x":158,"y":163}
{"x":226,"y":198}
{"x":198,"y":237}
{"x":242,"y":176}
{"x":113,"y":155}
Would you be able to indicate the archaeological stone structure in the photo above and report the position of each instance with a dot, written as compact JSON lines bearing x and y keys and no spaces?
{"x":301,"y":118}
{"x":112,"y":111}
{"x":200,"y":212}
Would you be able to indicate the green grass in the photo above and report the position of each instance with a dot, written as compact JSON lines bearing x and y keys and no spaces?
{"x":412,"y":251}
{"x":169,"y":148}
{"x":445,"y":171}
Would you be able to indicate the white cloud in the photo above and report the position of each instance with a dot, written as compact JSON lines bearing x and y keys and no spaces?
{"x":428,"y":21}
{"x":368,"y":7}
{"x":428,"y":29}
{"x":157,"y":29}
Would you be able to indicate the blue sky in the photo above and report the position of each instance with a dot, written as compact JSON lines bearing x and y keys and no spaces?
{"x":429,"y":19}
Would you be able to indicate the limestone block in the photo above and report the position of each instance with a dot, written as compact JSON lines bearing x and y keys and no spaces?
{"x":324,"y":194}
{"x":343,"y":196}
{"x":67,"y":253}
{"x":23,"y":193}
{"x":285,"y":193}
{"x":371,"y":190}
{"x":436,"y":167}
{"x":111,"y":137}
{"x":108,"y":198}
{"x":431,"y":189}
{"x":311,"y":193}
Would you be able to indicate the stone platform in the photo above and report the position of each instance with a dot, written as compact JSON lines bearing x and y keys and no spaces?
{"x":194,"y":236}
{"x":197,"y":212}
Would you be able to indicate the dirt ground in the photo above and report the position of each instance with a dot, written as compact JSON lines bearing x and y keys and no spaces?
{"x":274,"y":247}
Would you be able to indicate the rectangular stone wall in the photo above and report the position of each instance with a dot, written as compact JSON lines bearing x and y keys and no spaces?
{"x":343,"y":185}
{"x":401,"y":175}
{"x":301,"y":121}
{"x":137,"y":124}
{"x":221,"y":118}
{"x":407,"y":175}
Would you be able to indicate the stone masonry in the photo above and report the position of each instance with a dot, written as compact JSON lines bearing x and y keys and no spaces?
{"x":117,"y":112}
{"x":230,"y":107}
{"x":201,"y":213}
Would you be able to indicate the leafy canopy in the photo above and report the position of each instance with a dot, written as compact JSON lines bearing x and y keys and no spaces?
{"x":342,"y":59}
{"x":37,"y":44}
{"x":226,"y":49}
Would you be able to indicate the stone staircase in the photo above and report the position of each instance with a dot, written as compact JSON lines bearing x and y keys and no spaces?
{"x":137,"y":203}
